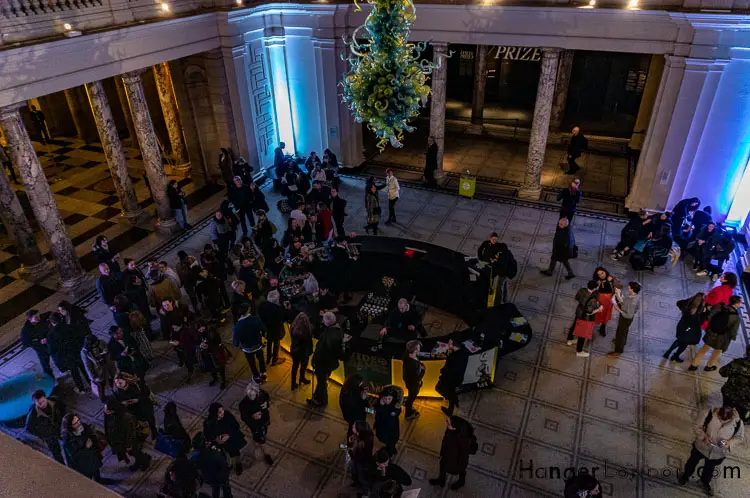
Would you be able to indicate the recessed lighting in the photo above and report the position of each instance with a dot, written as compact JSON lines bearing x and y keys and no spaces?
{"x":165,"y":7}
{"x":239,"y":3}
{"x":592,"y":3}
{"x":633,"y":4}
{"x":67,"y":26}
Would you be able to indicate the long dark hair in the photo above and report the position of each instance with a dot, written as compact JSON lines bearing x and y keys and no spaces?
{"x":354,"y":384}
{"x":695,"y":304}
{"x":213,"y":412}
{"x":596,"y":273}
{"x":66,"y":425}
{"x":363,"y":441}
{"x":301,"y":326}
{"x":730,"y":279}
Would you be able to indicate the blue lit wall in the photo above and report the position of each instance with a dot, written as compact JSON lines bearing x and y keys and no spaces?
{"x":722,"y":155}
{"x":306,"y":101}
{"x":281,"y":94}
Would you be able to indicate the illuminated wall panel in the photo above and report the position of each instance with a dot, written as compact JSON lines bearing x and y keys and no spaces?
{"x":281,"y":92}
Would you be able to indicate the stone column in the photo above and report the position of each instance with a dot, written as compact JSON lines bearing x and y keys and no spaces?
{"x":75,"y":112}
{"x":648,"y":100}
{"x":532,"y":188}
{"x":150,"y":152}
{"x":33,"y":264}
{"x":41,"y":198}
{"x":477,"y":97}
{"x":437,"y":104}
{"x":125,"y":105}
{"x":118,"y":165}
{"x":564,"y":68}
{"x":172,"y":119}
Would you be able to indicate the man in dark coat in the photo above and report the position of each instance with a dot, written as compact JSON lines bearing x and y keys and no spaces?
{"x":44,"y":419}
{"x":338,"y":210}
{"x":570,"y":198}
{"x":212,"y":465}
{"x":459,"y":442}
{"x":121,"y":432}
{"x":431,"y":162}
{"x":248,"y":335}
{"x":563,"y":249}
{"x":242,"y":200}
{"x":272,"y":315}
{"x":65,"y":348}
{"x":701,"y":219}
{"x":107,"y":285}
{"x":403,"y":323}
{"x":136,"y":288}
{"x":384,"y":474}
{"x":34,"y":335}
{"x":577,"y":146}
{"x":736,"y":391}
{"x":278,"y":157}
{"x":330,"y":350}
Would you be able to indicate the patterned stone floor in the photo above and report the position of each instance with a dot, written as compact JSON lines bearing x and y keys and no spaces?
{"x":85,"y":194}
{"x":633,"y":415}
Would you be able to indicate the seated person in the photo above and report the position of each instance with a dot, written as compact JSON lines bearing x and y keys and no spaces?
{"x":319,"y":194}
{"x":684,"y":234}
{"x":704,"y":245}
{"x":702,"y":218}
{"x":403,"y":323}
{"x":657,"y":249}
{"x":312,"y":161}
{"x":722,"y":249}
{"x":637,"y":229}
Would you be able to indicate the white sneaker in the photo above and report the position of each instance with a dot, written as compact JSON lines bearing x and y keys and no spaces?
{"x":614,"y":251}
{"x":701,"y":273}
{"x":582,"y":354}
{"x":570,"y":343}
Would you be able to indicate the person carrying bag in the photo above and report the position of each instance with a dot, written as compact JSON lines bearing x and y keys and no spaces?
{"x":583,"y":326}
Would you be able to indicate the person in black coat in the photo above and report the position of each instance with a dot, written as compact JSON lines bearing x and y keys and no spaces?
{"x":570,"y":198}
{"x":301,"y":348}
{"x":577,"y":146}
{"x":136,"y":288}
{"x":105,"y":255}
{"x":637,"y":229}
{"x":173,"y":428}
{"x":387,"y":413}
{"x":177,"y":203}
{"x":223,"y":430}
{"x":107,"y":285}
{"x":278,"y":158}
{"x":413,"y":371}
{"x":121,"y":431}
{"x":702,"y":218}
{"x":431,"y":162}
{"x":451,"y":376}
{"x":81,"y":447}
{"x":248,"y":335}
{"x":338,"y":211}
{"x":689,"y":327}
{"x":563,"y":249}
{"x":44,"y":420}
{"x":209,"y":291}
{"x":242,"y":199}
{"x":353,"y":399}
{"x":273,"y":316}
{"x":330,"y":350}
{"x":181,"y":479}
{"x":385,"y":478}
{"x":34,"y":335}
{"x":65,"y":348}
{"x":254,"y":411}
{"x":124,"y":352}
{"x":403,"y":323}
{"x":135,"y":396}
{"x":211,"y":462}
{"x":242,"y":169}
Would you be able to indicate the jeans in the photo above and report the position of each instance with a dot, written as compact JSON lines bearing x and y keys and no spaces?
{"x":621,"y":336}
{"x":272,"y":350}
{"x":411,"y":398}
{"x":501,"y":289}
{"x":321,"y":390}
{"x":181,"y":215}
{"x":217,"y":489}
{"x":301,"y":366}
{"x":680,"y":348}
{"x":708,"y":467}
{"x":257,"y":362}
{"x":392,"y":209}
{"x":44,"y":361}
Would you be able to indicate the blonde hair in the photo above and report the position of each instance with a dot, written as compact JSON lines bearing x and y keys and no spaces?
{"x":252,"y":390}
{"x":239,"y":286}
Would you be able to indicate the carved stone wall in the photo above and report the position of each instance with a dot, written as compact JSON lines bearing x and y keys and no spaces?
{"x":262,"y":102}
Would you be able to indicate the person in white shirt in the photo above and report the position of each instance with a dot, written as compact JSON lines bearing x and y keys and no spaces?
{"x":393,"y":190}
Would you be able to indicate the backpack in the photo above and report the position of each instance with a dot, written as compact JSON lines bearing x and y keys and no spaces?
{"x":719,"y":323}
{"x":711,"y":415}
{"x":512,"y":267}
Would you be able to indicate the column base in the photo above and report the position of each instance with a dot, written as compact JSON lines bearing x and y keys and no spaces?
{"x":36,"y":272}
{"x":475,"y":129}
{"x":167,"y":226}
{"x":135,"y":217}
{"x":75,"y":286}
{"x":182,"y":170}
{"x":531,"y":193}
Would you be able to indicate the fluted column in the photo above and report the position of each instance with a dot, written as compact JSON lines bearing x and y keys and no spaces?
{"x":172,"y":119}
{"x":75,"y":112}
{"x":123,"y":98}
{"x":564,"y":68}
{"x":150,"y":152}
{"x":33,"y":264}
{"x":532,"y":187}
{"x":437,"y":105}
{"x":40,"y":197}
{"x":477,"y":97}
{"x":118,"y":165}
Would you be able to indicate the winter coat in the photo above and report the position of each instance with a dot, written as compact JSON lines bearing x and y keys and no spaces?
{"x":133,"y":363}
{"x":241,"y":197}
{"x":175,"y":199}
{"x":212,"y":465}
{"x":63,"y":347}
{"x":413,"y":371}
{"x":108,"y":287}
{"x":121,"y":431}
{"x":248,"y":407}
{"x":161,"y":291}
{"x":213,"y":428}
{"x":330,"y":349}
{"x":32,"y":335}
{"x":711,"y":430}
{"x":577,"y":145}
{"x":46,"y":425}
{"x":353,"y":407}
{"x":689,"y":327}
{"x":737,"y":387}
{"x":570,"y":199}
{"x":272,"y":315}
{"x":209,"y":291}
{"x":214,"y":355}
{"x":86,"y":461}
{"x":106,"y":256}
{"x":387,"y":427}
{"x":717,"y":336}
{"x":488,"y":251}
{"x":372,"y":205}
{"x":301,"y":348}
{"x":248,"y":334}
{"x":185,"y":483}
{"x":143,"y":409}
{"x":97,"y":363}
{"x":563,"y":244}
{"x":455,"y":451}
{"x":587,"y":304}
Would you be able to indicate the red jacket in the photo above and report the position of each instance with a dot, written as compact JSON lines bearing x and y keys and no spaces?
{"x":718,"y":295}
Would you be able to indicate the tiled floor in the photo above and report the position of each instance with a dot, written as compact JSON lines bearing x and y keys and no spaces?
{"x":87,"y":200}
{"x":500,"y":165}
{"x":632,"y":416}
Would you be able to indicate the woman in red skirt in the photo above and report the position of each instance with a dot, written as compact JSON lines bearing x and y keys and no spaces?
{"x":607,"y":287}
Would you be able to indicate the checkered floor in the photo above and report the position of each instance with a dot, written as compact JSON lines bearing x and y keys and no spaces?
{"x":86,"y":197}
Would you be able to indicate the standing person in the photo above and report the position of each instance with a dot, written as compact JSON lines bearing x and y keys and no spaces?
{"x":430,"y":164}
{"x":330,"y":350}
{"x":387,"y":413}
{"x":65,"y":349}
{"x":161,"y":289}
{"x":353,"y":399}
{"x":98,"y":366}
{"x":504,"y":268}
{"x":240,"y":294}
{"x":360,"y":443}
{"x":608,"y":285}
{"x":570,"y":198}
{"x":720,"y":431}
{"x":177,"y":202}
{"x":107,"y":285}
{"x":186,"y":342}
{"x":689,"y":326}
{"x":104,"y":254}
{"x":212,"y":353}
{"x":5,"y":159}
{"x":124,"y":352}
{"x":301,"y":348}
{"x":325,"y":220}
{"x":273,"y":317}
{"x":136,"y":288}
{"x":254,"y":411}
{"x":81,"y":447}
{"x":44,"y":421}
{"x":121,"y":432}
{"x":563,"y":249}
{"x":187,"y":270}
{"x":40,"y":124}
{"x":278,"y":157}
{"x":209,"y":291}
{"x":736,"y":391}
{"x":222,"y":429}
{"x":338,"y":211}
{"x":136,"y":397}
{"x":723,"y":324}
{"x":181,"y":479}
{"x":721,"y":293}
{"x":220,"y":233}
{"x":34,"y":335}
{"x":172,"y":426}
{"x":385,"y":478}
{"x":587,"y":309}
{"x":211,"y":462}
{"x":628,"y":306}
{"x":578,"y":145}
{"x":393,"y":192}
{"x":248,"y":335}
{"x":459,"y":443}
{"x":170,"y":274}
{"x":242,"y":169}
{"x":413,"y":371}
{"x":242,"y":199}
{"x":373,"y":210}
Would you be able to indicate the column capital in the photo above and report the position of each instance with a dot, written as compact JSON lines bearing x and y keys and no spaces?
{"x":551,"y":51}
{"x":12,"y":110}
{"x":676,"y":61}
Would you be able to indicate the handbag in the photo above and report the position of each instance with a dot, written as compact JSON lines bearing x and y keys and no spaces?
{"x":169,"y":445}
{"x":639,"y":246}
{"x":584,"y":329}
